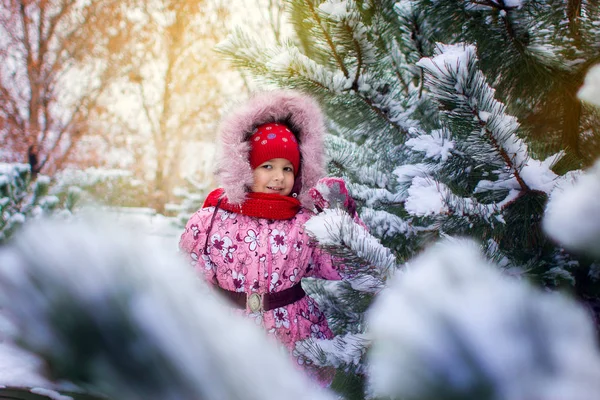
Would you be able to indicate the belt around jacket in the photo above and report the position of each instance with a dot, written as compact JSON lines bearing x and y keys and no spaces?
{"x":265,"y":301}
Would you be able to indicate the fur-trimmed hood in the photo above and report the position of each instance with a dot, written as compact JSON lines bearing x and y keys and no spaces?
{"x":299,"y":112}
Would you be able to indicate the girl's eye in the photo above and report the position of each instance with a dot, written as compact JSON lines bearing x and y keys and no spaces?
{"x":266,"y":166}
{"x":288,"y":169}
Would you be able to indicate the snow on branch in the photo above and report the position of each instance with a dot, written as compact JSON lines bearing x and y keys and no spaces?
{"x":280,"y":61}
{"x":358,"y":160}
{"x":462,"y":91}
{"x":436,"y":146}
{"x":384,"y":224}
{"x":572,"y":214}
{"x":375,"y":196}
{"x":452,"y":326}
{"x":590,"y":91}
{"x":343,"y":351}
{"x":428,"y":197}
{"x":243,"y":49}
{"x":107,"y":310}
{"x":344,"y":12}
{"x":22,"y":198}
{"x":290,"y":62}
{"x":336,"y":231}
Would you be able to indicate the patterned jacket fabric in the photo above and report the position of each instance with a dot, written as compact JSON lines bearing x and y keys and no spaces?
{"x":257,"y":255}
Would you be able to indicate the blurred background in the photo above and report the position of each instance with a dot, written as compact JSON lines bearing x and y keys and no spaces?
{"x":446,"y":119}
{"x":119,"y":98}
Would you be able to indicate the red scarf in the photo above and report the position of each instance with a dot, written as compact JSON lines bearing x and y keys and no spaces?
{"x":260,"y":205}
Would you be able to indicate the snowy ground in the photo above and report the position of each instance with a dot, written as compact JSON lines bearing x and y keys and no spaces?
{"x":21,"y":369}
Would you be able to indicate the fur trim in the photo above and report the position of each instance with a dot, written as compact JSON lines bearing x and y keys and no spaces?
{"x":304,"y":116}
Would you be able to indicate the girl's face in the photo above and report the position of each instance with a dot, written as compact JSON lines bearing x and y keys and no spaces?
{"x":274,"y":176}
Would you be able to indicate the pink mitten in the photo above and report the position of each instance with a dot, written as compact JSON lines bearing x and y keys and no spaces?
{"x":332,"y":193}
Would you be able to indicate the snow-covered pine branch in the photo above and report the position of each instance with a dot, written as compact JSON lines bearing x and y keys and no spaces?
{"x":368,"y":263}
{"x":242,"y":49}
{"x":349,"y":22}
{"x":435,"y":146}
{"x":490,"y":137}
{"x":451,"y":326}
{"x":289,"y":62}
{"x":415,"y":34}
{"x":110,"y":312}
{"x":428,"y":197}
{"x":373,"y":197}
{"x":22,"y":199}
{"x":385,"y":225}
{"x":358,"y":161}
{"x":340,"y":303}
{"x":344,"y":351}
{"x":394,"y":111}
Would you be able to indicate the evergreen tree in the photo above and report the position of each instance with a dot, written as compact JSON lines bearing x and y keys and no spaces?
{"x":23,"y":198}
{"x":446,"y":119}
{"x":192,"y":197}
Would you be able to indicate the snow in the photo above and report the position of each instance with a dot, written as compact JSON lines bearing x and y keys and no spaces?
{"x":509,"y":3}
{"x":42,"y":180}
{"x":335,"y":9}
{"x":50,"y":393}
{"x":13,"y":168}
{"x":383,"y":224}
{"x":90,"y":176}
{"x":572,"y":214}
{"x":16,"y":218}
{"x":373,"y":196}
{"x":406,"y":172}
{"x":538,"y":174}
{"x":282,"y":61}
{"x":435,"y":145}
{"x":19,"y":368}
{"x":451,"y":57}
{"x":288,"y":59}
{"x":451,"y":315}
{"x":160,"y":230}
{"x":425,"y":197}
{"x":323,"y":226}
{"x":590,"y":91}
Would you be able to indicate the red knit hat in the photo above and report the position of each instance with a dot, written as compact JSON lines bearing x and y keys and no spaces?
{"x":274,"y":140}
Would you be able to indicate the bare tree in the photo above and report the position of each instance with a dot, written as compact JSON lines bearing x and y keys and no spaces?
{"x":176,"y":82}
{"x":57,"y":57}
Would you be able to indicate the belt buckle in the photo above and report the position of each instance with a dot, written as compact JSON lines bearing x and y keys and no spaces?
{"x":255,"y":302}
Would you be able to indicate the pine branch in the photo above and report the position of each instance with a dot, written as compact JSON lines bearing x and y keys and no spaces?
{"x":344,"y":351}
{"x":367,"y":263}
{"x":327,"y":36}
{"x":462,"y":92}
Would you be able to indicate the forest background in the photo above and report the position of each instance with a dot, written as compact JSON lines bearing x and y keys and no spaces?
{"x":447,"y":120}
{"x":121,"y":88}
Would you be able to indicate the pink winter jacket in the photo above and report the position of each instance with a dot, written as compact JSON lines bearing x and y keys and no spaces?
{"x":257,"y":255}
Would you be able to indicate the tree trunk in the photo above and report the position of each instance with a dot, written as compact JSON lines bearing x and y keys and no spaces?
{"x":571,"y":121}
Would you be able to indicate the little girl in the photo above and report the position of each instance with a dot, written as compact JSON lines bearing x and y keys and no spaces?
{"x":249,"y":238}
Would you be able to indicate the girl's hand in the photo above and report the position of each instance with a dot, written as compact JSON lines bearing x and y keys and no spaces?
{"x":332,"y":193}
